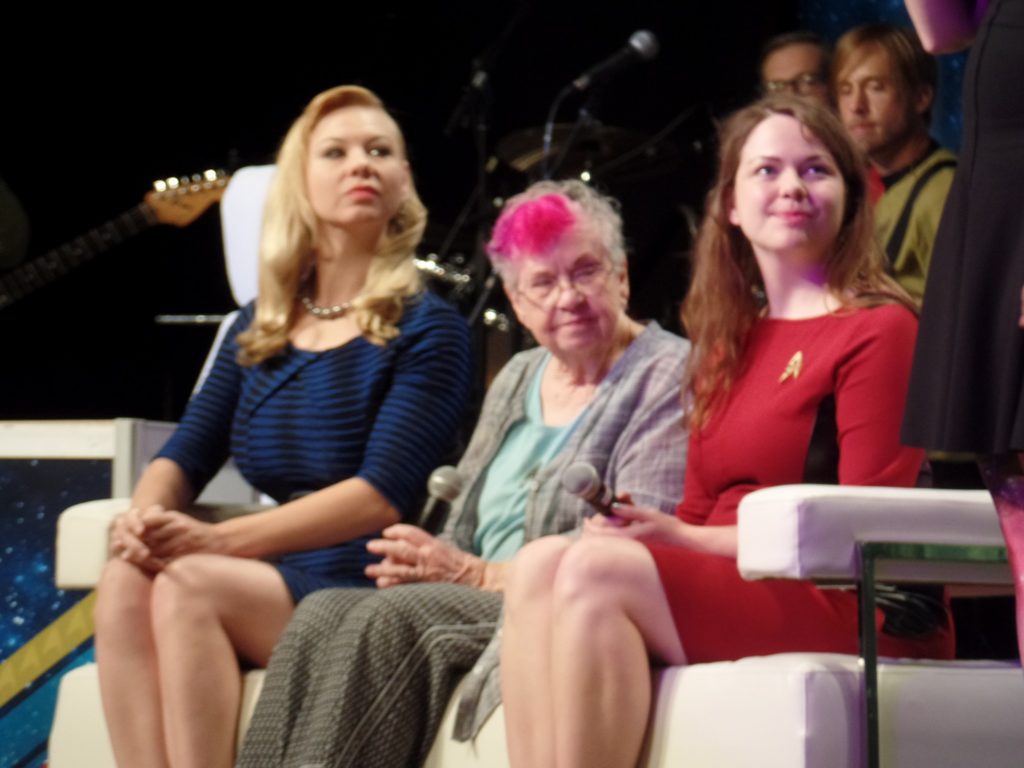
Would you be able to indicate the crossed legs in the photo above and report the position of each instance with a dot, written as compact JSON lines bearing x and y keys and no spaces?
{"x":168,"y":646}
{"x":583,"y":622}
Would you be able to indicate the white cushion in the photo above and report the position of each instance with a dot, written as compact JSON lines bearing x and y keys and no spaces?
{"x":802,"y":710}
{"x":82,"y":538}
{"x":78,"y":738}
{"x":241,"y":214}
{"x":812,"y":531}
{"x":252,"y":684}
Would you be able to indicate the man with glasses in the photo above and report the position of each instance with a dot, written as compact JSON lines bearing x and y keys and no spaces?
{"x":797,"y":63}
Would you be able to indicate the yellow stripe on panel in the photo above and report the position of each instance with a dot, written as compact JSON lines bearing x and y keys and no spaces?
{"x":52,"y":644}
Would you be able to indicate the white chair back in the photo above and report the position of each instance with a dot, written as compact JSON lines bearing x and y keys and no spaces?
{"x":241,"y":215}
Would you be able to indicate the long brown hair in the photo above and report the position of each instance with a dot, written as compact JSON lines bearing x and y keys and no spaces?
{"x":725,"y":293}
{"x":289,"y":238}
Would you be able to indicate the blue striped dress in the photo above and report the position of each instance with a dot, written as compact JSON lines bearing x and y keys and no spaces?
{"x":303,"y":420}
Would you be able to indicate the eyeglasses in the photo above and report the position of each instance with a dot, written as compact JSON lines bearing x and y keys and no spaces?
{"x":803,"y":84}
{"x":544,"y":289}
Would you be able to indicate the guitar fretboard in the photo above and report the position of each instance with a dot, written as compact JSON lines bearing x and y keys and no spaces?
{"x":43,"y":270}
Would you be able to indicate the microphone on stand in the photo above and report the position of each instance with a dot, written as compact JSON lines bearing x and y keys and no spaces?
{"x":642,"y":46}
{"x":444,"y":485}
{"x":581,"y":479}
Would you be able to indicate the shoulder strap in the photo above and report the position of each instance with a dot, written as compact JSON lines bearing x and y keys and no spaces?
{"x":899,"y":232}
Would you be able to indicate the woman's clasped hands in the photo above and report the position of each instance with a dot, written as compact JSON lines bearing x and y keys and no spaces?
{"x":151,"y":537}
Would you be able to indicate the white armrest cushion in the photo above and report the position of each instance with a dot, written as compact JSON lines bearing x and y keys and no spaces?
{"x":812,"y":531}
{"x":82,"y":537}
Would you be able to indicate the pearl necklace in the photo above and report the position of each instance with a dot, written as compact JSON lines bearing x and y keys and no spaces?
{"x":326,"y":313}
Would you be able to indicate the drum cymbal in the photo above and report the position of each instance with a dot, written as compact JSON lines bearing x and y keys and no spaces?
{"x":596,"y":147}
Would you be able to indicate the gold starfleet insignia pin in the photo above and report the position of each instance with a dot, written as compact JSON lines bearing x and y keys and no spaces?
{"x":796,"y":362}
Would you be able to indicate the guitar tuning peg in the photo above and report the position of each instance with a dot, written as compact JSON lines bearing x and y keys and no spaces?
{"x":173,"y":183}
{"x":196,"y":178}
{"x":211,"y":175}
{"x":160,"y":186}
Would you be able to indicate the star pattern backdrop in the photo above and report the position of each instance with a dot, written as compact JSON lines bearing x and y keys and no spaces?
{"x":41,"y":634}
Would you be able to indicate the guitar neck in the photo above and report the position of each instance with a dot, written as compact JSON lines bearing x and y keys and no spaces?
{"x":43,"y":270}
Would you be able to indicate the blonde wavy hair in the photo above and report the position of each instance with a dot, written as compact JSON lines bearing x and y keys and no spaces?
{"x":726,"y":293}
{"x":289,"y":240}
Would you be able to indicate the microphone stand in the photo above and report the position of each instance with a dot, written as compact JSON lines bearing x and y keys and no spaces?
{"x":549,"y":129}
{"x":584,"y":125}
{"x":484,"y":211}
{"x":472,"y":113}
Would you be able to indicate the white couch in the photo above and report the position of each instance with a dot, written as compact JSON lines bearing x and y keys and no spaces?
{"x":784,"y":711}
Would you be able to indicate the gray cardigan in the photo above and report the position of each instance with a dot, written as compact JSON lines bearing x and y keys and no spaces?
{"x":631,"y":432}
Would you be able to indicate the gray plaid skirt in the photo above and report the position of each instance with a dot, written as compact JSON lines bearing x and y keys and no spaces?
{"x":362,"y":677}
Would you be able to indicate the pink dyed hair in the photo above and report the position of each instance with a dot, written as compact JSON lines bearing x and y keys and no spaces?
{"x":531,"y":228}
{"x":535,"y":222}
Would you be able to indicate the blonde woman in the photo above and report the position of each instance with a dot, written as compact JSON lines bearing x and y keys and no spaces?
{"x":336,"y":393}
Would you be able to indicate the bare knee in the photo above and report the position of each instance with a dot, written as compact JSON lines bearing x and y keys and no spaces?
{"x":533,"y":570}
{"x":181,"y":590}
{"x":123,"y":597}
{"x":595,"y":575}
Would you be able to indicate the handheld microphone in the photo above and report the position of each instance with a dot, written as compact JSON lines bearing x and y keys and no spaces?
{"x":581,"y":479}
{"x":642,"y":46}
{"x":444,"y":485}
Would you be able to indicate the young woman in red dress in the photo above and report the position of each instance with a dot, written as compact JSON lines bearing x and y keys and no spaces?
{"x":801,"y":354}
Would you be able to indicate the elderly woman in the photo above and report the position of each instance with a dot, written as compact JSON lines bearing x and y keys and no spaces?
{"x":803,"y":385}
{"x":362,"y":677}
{"x":342,"y":370}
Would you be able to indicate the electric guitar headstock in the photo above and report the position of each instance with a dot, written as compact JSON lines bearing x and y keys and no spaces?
{"x":180,"y":201}
{"x":176,"y":201}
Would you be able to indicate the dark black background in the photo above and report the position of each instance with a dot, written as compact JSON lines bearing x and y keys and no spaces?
{"x":92,"y":114}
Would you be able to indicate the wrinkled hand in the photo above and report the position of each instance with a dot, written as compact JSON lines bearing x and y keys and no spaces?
{"x":640,"y":523}
{"x":412,"y":555}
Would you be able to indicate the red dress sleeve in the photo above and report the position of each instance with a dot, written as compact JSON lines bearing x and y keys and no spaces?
{"x":871,"y":390}
{"x":697,"y":502}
